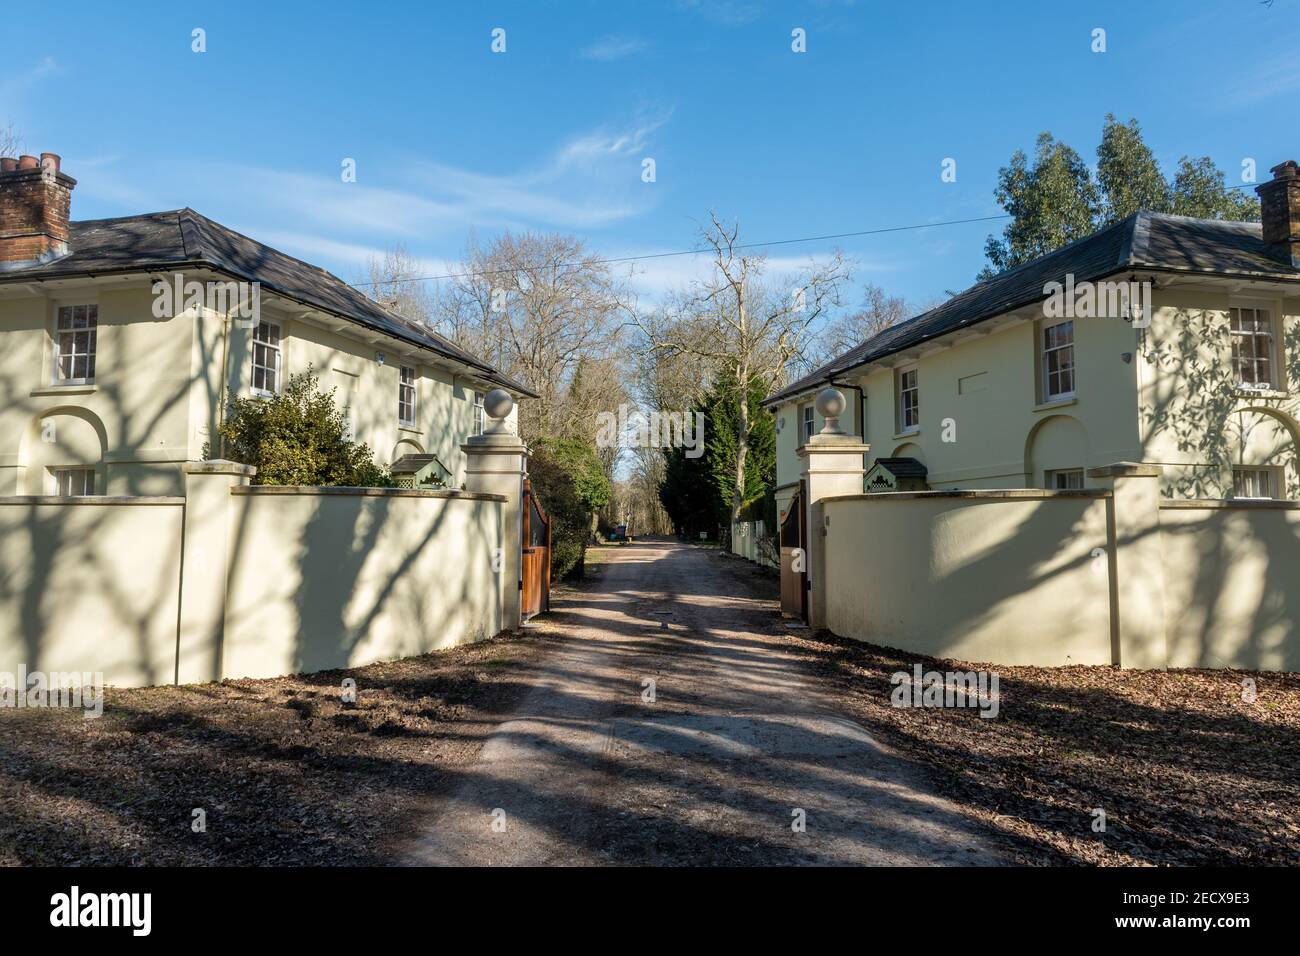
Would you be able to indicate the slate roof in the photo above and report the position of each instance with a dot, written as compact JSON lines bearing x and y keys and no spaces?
{"x":182,"y":237}
{"x":1145,"y":241}
{"x":410,"y":464}
{"x":902,"y":467}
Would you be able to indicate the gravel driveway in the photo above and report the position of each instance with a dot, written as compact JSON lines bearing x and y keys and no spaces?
{"x":670,"y":725}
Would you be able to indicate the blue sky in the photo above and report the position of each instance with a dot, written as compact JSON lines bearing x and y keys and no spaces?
{"x":450,"y":137}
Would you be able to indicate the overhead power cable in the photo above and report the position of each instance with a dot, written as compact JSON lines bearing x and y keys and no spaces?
{"x":697,"y":251}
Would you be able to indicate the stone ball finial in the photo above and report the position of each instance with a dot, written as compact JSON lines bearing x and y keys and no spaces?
{"x":830,"y":403}
{"x":498,"y":403}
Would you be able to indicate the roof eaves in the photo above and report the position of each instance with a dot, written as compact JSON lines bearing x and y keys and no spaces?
{"x":403,"y":330}
{"x":400,"y":333}
{"x":213,"y":263}
{"x":806,"y":385}
{"x":1225,"y":274}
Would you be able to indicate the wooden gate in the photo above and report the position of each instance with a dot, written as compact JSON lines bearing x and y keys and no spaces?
{"x":535,"y":569}
{"x":794,"y":559}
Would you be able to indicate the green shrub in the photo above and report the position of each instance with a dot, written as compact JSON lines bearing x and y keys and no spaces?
{"x":571,"y":485}
{"x":298,"y":437}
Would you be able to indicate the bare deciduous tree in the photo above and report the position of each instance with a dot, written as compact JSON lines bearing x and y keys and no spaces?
{"x":669,"y":380}
{"x":10,"y":142}
{"x":599,"y":384}
{"x":646,"y":510}
{"x":737,"y":322}
{"x":540,"y":307}
{"x":879,"y":311}
{"x":394,"y":281}
{"x":636,"y":497}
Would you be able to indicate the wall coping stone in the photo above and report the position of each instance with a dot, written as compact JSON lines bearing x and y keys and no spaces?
{"x":494,"y":443}
{"x":1243,"y":504}
{"x":1127,"y":469}
{"x":848,"y":444}
{"x":219,"y":466}
{"x":363,"y":492}
{"x":91,"y":500}
{"x":984,"y":493}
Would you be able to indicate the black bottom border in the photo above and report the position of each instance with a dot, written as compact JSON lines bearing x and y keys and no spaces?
{"x":303,"y":905}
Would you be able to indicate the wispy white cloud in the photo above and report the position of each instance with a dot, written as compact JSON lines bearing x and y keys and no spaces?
{"x":590,"y":180}
{"x":654,"y":279}
{"x":1277,"y":76}
{"x":612,"y":48}
{"x":14,"y":87}
{"x":15,"y":84}
{"x":311,"y":247}
{"x":354,"y":256}
{"x":331,"y":205}
{"x":114,"y":180}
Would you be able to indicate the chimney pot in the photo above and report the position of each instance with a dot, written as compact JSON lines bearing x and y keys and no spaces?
{"x":1288,"y":170}
{"x":35,"y":207}
{"x":1279,"y":212}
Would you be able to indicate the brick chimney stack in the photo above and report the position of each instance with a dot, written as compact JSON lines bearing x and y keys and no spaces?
{"x":1279,"y":201}
{"x":35,"y":203}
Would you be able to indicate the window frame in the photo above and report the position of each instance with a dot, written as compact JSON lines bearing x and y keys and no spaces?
{"x":1271,"y":472}
{"x":277,"y":348}
{"x":479,"y":421}
{"x":1052,"y":475}
{"x":407,"y":397}
{"x":56,"y":348}
{"x":88,"y":480}
{"x":900,"y":401}
{"x":1045,"y":353}
{"x":807,"y":422}
{"x":1276,"y":366}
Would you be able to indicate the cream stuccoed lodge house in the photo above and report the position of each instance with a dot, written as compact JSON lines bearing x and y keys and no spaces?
{"x":130,"y":548}
{"x":1090,"y":458}
{"x":104,"y":395}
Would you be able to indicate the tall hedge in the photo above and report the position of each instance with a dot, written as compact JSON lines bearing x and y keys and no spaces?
{"x":571,"y":485}
{"x":696,"y":492}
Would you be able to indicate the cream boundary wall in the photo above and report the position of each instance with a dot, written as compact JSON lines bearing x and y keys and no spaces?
{"x":1056,"y":578}
{"x":72,"y":574}
{"x":1005,"y":579}
{"x":162,"y":385}
{"x":240,"y":581}
{"x":1173,"y":404}
{"x":320,"y":580}
{"x":1232,"y":584}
